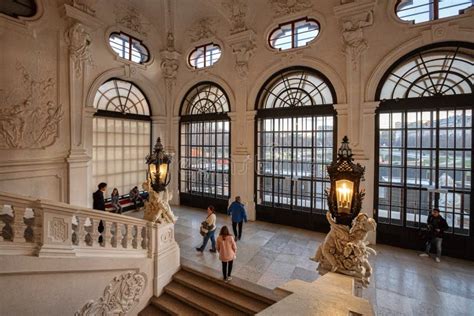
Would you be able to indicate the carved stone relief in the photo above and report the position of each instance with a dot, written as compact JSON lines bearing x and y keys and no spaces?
{"x":236,"y":11}
{"x":202,"y":29}
{"x":119,"y":298}
{"x":242,"y":52}
{"x":79,"y":42}
{"x":157,"y":208}
{"x":353,"y":36}
{"x":29,"y":116}
{"x":130,"y":18}
{"x":58,"y":230}
{"x":286,"y":7}
{"x":86,"y":6}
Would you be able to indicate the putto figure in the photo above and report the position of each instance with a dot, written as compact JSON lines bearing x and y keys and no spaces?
{"x":345,"y":249}
{"x":157,"y":208}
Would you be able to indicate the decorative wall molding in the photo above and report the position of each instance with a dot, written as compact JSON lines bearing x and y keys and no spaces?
{"x":86,"y":6}
{"x":236,"y":11}
{"x":170,"y":61}
{"x":202,"y":29}
{"x":29,"y":116}
{"x":353,"y":35}
{"x":128,"y":17}
{"x":79,"y":42}
{"x":243,"y":46}
{"x":119,"y":298}
{"x":287,"y":7}
{"x":58,"y":230}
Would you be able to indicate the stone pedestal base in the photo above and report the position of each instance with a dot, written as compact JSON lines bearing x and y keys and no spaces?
{"x":167,"y":258}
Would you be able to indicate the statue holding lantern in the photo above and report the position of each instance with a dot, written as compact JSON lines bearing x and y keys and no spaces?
{"x":157,"y":208}
{"x":345,"y":248}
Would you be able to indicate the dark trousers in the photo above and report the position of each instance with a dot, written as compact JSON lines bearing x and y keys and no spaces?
{"x":227,"y":268}
{"x":234,"y":228}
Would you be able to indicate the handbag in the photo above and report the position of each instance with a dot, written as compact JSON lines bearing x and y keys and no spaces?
{"x":203,"y":229}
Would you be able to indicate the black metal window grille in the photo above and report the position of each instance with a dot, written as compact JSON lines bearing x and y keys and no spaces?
{"x":295,"y":140}
{"x":424,"y":145}
{"x":205,"y":142}
{"x":428,"y":10}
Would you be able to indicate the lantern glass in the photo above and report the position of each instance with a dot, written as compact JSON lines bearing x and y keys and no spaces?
{"x":344,"y":192}
{"x":152,"y":172}
{"x":163,"y":172}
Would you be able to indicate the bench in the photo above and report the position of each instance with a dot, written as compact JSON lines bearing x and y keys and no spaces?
{"x":126,"y":202}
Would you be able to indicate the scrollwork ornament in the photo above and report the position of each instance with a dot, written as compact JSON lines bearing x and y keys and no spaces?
{"x":286,"y":7}
{"x":119,"y":298}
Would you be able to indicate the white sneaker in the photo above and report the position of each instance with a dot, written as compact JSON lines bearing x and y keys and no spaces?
{"x":228,"y":279}
{"x":437,"y":259}
{"x":423,"y":254}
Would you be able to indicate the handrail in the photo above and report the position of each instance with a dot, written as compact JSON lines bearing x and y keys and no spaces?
{"x":60,"y":229}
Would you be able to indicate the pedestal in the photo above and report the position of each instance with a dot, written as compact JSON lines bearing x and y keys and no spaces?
{"x":166,"y":257}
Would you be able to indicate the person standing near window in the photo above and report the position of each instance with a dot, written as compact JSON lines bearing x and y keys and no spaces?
{"x":208,"y":228}
{"x":98,"y":197}
{"x":239,"y":215}
{"x":227,"y":252}
{"x":115,"y":199}
{"x":436,"y":227}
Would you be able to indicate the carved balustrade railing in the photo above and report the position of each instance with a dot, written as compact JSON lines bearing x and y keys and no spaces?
{"x":47,"y":228}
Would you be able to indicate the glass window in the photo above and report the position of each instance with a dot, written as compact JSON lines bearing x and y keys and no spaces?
{"x":204,"y":56}
{"x":129,"y":48}
{"x":295,"y":141}
{"x":121,"y":136}
{"x":24,"y":8}
{"x":420,"y":11}
{"x":425,"y":147}
{"x":294,"y":34}
{"x":205,"y":143}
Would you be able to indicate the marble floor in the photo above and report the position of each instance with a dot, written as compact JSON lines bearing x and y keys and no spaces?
{"x":403,"y":283}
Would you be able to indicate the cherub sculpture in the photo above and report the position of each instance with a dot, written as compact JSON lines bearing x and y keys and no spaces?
{"x":345,"y":249}
{"x":157,"y":208}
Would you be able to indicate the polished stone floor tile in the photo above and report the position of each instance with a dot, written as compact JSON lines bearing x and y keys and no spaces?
{"x":271,"y":255}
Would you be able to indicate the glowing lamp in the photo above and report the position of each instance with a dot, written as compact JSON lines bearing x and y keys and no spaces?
{"x":158,"y":167}
{"x":344,"y":198}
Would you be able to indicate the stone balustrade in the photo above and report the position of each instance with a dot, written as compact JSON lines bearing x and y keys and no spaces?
{"x":47,"y":228}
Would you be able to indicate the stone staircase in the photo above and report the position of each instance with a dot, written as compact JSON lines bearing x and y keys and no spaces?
{"x":198,"y":290}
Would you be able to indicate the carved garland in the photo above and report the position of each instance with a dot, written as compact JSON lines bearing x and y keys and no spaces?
{"x":120,"y":296}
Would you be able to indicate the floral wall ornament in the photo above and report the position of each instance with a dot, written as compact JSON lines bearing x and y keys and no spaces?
{"x":119,"y":298}
{"x":353,"y":36}
{"x":286,"y":7}
{"x":202,"y":29}
{"x":130,"y":18}
{"x":236,"y":11}
{"x":29,"y":118}
{"x":79,"y":41}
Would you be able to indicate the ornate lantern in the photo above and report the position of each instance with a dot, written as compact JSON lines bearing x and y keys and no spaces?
{"x":344,"y":198}
{"x":158,"y":167}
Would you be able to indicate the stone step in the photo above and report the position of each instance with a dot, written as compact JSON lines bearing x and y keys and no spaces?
{"x":245,"y":287}
{"x":204,"y":303}
{"x":152,"y":310}
{"x":172,"y":306}
{"x":217,"y":290}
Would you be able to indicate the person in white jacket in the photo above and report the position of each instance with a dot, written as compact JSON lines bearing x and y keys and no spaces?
{"x":208,"y":227}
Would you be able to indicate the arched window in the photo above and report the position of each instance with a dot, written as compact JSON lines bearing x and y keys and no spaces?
{"x":424,"y":139}
{"x":205,"y":147}
{"x":294,"y":34}
{"x":129,"y":48}
{"x":121,"y":135}
{"x":204,"y":56}
{"x":295,"y":141}
{"x":25,"y":8}
{"x":420,"y":11}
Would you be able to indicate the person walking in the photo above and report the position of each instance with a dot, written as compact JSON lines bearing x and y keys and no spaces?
{"x":98,"y":197}
{"x":227,"y":252}
{"x":115,"y":199}
{"x":436,"y":227}
{"x":208,"y":229}
{"x":239,"y":215}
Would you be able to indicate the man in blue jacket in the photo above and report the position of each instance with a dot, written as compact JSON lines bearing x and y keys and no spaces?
{"x":237,"y":210}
